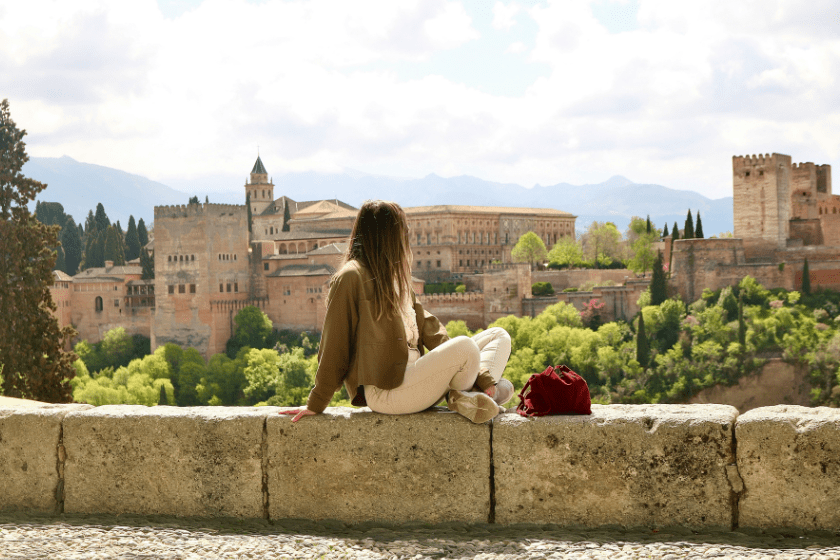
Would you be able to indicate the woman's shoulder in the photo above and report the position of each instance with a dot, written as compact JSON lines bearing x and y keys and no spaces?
{"x":351,"y":272}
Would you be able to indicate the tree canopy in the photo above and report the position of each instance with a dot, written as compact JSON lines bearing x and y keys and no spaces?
{"x":530,"y":249}
{"x":31,"y":356}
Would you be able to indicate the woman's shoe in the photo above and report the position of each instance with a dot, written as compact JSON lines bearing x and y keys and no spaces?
{"x":504,"y":391}
{"x":477,"y":407}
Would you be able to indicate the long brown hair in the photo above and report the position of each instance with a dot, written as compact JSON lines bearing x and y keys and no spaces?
{"x":380,"y":243}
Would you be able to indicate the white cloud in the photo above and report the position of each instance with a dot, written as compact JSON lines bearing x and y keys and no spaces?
{"x":504,"y":16}
{"x":313,"y":83}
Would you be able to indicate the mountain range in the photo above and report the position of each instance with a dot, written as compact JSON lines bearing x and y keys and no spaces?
{"x":80,"y":186}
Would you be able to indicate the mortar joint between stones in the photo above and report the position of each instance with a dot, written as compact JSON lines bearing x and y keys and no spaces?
{"x":264,"y":467}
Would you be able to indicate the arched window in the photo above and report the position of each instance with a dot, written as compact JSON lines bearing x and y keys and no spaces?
{"x":98,"y":304}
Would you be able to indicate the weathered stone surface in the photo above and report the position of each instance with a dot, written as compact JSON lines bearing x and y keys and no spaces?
{"x":355,"y":465}
{"x":631,"y":465}
{"x":29,"y":456}
{"x":202,"y":461}
{"x":789,"y":459}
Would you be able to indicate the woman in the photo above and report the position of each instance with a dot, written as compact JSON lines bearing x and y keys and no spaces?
{"x":375,"y":332}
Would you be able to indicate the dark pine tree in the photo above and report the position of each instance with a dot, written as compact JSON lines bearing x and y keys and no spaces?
{"x":742,"y":325}
{"x":658,"y":288}
{"x":194,"y":200}
{"x":698,"y":229}
{"x":90,"y":225}
{"x":688,"y":230}
{"x":142,"y":234}
{"x":31,"y":342}
{"x":806,"y":278}
{"x":162,"y":400}
{"x":675,"y":232}
{"x":647,"y":224}
{"x":642,"y":343}
{"x":132,"y":241}
{"x":665,"y":230}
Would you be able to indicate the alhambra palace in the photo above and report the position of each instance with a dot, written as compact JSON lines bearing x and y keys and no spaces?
{"x":209,"y":264}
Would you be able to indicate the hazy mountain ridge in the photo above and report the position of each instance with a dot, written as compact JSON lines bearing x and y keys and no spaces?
{"x":80,"y":186}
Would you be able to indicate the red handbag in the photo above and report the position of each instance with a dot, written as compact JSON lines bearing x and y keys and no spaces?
{"x":557,"y":390}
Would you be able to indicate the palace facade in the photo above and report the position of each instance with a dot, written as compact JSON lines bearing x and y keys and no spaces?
{"x":278,"y":254}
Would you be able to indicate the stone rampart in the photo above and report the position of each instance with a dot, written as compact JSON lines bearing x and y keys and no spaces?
{"x":629,"y":465}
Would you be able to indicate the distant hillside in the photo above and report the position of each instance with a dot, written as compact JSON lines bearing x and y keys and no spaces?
{"x":79,"y":186}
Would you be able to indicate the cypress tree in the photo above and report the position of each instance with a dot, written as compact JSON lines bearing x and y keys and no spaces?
{"x":90,"y":224}
{"x":71,"y":242}
{"x":286,"y":215}
{"x":59,"y":259}
{"x":34,"y":364}
{"x":98,"y":256}
{"x":248,"y":204}
{"x":147,"y":263}
{"x":658,"y":288}
{"x":142,"y":234}
{"x":688,"y":230}
{"x":113,"y":250}
{"x":132,"y":241}
{"x":675,"y":232}
{"x":642,"y":343}
{"x":647,"y":224}
{"x":806,"y":278}
{"x":742,"y":325}
{"x":162,"y":400}
{"x":206,"y":199}
{"x":665,"y":230}
{"x":698,"y":230}
{"x":102,"y":221}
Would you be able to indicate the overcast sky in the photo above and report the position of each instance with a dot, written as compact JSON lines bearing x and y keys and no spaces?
{"x":660,"y":91}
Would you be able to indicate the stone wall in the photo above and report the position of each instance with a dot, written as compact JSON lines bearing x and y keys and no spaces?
{"x":562,"y":279}
{"x":631,"y":465}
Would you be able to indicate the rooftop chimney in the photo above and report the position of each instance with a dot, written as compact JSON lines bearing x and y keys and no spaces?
{"x":109,"y":265}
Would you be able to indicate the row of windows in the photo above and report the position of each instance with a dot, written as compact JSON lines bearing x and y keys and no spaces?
{"x":316,"y":289}
{"x":180,"y":258}
{"x":182,"y":288}
{"x":489,"y":252}
{"x":227,"y":257}
{"x":833,"y":210}
{"x":141,"y":290}
{"x":428,"y":264}
{"x":235,"y":285}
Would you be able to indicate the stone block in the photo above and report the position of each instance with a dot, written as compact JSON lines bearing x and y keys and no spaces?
{"x":30,"y":437}
{"x":355,"y":465}
{"x":202,"y":461}
{"x":629,"y":465}
{"x":789,"y":460}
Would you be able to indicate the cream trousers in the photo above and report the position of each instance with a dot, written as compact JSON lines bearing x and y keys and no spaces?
{"x":452,"y":365}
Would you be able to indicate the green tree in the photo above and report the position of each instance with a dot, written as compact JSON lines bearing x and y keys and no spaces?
{"x":71,"y":241}
{"x":665,"y":231}
{"x":806,"y":278}
{"x":457,"y":328}
{"x":147,"y":264}
{"x":642,"y":343}
{"x":542,"y":289}
{"x":698,"y":229}
{"x":248,"y":205}
{"x":566,"y":253}
{"x":688,"y":230}
{"x":643,"y":254}
{"x":530,"y":248}
{"x":286,"y":215}
{"x":142,"y":233}
{"x":658,"y":287}
{"x":31,"y":356}
{"x":132,"y":241}
{"x":675,"y":232}
{"x":102,"y":221}
{"x":194,"y":200}
{"x":742,"y":325}
{"x":253,"y":327}
{"x":647,"y":224}
{"x":113,"y":250}
{"x":602,"y":244}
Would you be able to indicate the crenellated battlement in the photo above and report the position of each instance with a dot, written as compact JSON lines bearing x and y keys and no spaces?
{"x":187,"y":210}
{"x":453,"y":297}
{"x":752,"y":160}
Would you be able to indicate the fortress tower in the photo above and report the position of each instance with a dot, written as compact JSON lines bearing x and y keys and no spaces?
{"x":762,"y":200}
{"x":259,"y":188}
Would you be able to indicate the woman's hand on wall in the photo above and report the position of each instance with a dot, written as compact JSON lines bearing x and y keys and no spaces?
{"x":300,"y":413}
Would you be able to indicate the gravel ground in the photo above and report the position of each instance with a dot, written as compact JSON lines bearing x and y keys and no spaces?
{"x":133,"y":537}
